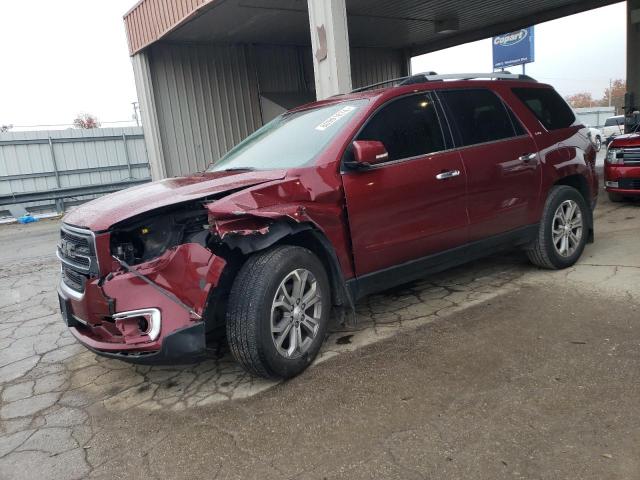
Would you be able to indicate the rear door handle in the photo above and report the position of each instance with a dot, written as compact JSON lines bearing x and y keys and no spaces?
{"x":448,"y":174}
{"x":527,"y":157}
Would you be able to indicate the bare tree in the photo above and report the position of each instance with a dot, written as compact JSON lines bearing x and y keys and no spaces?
{"x":614,"y":95}
{"x":86,"y":120}
{"x":580,"y":100}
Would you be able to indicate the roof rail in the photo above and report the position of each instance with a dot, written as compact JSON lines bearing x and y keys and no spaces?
{"x":471,"y":76}
{"x":434,"y":77}
{"x":392,"y":80}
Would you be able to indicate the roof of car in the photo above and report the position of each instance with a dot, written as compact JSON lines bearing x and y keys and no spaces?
{"x":421,"y":82}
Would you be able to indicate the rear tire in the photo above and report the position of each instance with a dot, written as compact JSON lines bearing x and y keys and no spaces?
{"x":563,"y":231}
{"x":615,"y":197}
{"x":271,"y":332}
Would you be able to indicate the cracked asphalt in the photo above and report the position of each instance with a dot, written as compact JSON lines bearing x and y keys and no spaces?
{"x":491,"y":370}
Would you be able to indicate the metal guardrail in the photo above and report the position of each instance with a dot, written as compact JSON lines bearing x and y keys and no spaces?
{"x":64,"y":193}
{"x":74,"y":183}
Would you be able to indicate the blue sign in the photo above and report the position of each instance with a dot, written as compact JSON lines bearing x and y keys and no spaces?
{"x":515,"y":48}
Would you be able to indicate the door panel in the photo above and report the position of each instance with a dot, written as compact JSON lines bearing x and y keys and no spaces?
{"x":400,"y":212}
{"x":501,"y":160}
{"x":503,"y":183}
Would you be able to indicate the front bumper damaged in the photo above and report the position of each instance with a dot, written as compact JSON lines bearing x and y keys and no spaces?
{"x":152,"y":313}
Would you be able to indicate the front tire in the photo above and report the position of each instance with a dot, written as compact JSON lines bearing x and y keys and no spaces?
{"x":278,"y":312}
{"x":563,"y":231}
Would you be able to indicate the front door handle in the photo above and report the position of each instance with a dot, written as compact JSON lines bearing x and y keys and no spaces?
{"x":527,"y":157}
{"x":448,"y":174}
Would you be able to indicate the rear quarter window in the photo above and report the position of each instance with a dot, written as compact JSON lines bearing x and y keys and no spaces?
{"x":548,"y":107}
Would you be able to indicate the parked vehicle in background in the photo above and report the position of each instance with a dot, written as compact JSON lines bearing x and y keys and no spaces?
{"x":622,"y":167}
{"x":326,"y":204}
{"x":613,"y":126}
{"x":595,"y":135}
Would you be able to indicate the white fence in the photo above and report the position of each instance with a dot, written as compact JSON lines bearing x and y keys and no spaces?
{"x":41,"y":169}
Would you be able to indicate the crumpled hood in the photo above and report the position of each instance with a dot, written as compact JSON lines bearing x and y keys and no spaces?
{"x":103,"y":212}
{"x":626,"y":140}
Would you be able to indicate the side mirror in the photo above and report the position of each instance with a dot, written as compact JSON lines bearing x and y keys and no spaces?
{"x":369,"y":152}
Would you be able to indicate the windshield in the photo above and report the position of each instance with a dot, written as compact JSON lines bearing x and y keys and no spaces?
{"x":290,"y":140}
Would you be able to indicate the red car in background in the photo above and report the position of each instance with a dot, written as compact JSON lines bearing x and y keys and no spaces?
{"x":622,"y":167}
{"x":328,"y":203}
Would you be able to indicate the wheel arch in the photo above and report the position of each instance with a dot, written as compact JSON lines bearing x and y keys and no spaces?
{"x":236,"y":249}
{"x":581,"y":184}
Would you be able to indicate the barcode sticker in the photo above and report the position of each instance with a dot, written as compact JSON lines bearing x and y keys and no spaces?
{"x":335,"y":117}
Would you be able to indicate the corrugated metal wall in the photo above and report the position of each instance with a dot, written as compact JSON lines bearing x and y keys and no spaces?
{"x":206,"y":100}
{"x":595,"y":116}
{"x":207,"y":97}
{"x":281,"y":68}
{"x":373,"y":65}
{"x":41,"y":161}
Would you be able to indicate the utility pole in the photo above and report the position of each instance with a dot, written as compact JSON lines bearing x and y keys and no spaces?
{"x":136,"y":116}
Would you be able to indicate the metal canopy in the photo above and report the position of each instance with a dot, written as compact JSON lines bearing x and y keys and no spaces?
{"x":406,"y":24}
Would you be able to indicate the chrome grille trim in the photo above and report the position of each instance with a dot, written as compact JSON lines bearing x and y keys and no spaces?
{"x":78,"y":256}
{"x":631,"y":155}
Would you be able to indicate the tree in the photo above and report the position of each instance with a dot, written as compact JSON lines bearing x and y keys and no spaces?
{"x":617,"y":91}
{"x":580,"y":100}
{"x":5,"y":128}
{"x":86,"y":120}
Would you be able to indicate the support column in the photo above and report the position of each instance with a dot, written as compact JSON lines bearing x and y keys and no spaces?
{"x":330,"y":47}
{"x":150,"y":126}
{"x":632,"y":99}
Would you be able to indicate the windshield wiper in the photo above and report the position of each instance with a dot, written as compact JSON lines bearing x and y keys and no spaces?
{"x":238,"y":169}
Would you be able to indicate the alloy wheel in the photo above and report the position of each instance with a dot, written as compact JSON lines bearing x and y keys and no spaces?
{"x":567,"y":228}
{"x":296,"y":312}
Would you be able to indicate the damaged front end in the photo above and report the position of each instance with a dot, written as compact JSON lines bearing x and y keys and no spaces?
{"x":140,"y":292}
{"x":154,"y":287}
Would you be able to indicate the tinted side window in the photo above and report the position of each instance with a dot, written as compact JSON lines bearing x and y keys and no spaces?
{"x":549,"y":107}
{"x":610,"y":122}
{"x":517,"y":126}
{"x":479,"y":115}
{"x":407,"y":127}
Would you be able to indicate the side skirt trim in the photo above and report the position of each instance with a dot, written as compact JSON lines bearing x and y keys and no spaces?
{"x":425,"y":266}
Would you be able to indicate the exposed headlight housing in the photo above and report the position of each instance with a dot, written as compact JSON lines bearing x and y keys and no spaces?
{"x":615,"y":156}
{"x":139,"y":241}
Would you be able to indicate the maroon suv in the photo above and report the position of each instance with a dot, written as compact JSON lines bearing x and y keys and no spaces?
{"x":326,"y":204}
{"x":622,"y":167}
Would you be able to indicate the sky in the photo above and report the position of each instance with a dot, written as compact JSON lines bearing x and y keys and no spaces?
{"x":65,"y":57}
{"x":580,"y":53}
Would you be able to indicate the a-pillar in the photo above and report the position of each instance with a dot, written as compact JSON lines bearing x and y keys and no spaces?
{"x":330,"y":45}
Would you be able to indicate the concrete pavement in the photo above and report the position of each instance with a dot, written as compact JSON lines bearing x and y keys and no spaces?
{"x":492,"y":370}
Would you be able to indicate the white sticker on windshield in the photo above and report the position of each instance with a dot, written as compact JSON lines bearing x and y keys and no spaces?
{"x":335,"y":117}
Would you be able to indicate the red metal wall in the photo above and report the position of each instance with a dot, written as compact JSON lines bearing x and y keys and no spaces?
{"x":150,"y":20}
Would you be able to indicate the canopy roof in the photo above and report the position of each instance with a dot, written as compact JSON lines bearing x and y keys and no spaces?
{"x":416,"y":25}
